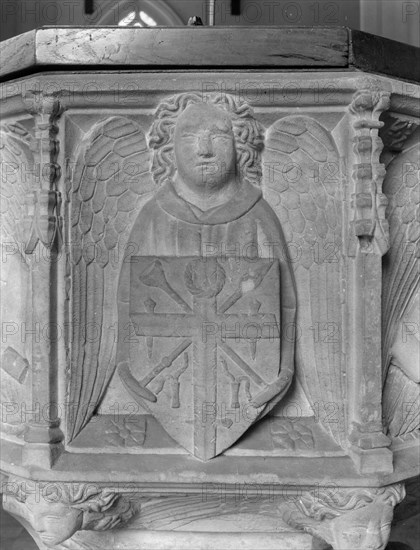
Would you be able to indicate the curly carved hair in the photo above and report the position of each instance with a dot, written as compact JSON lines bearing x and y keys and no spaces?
{"x":248,"y":133}
{"x":328,"y":504}
{"x":88,"y":498}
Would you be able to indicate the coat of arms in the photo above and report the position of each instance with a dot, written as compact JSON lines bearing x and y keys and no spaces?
{"x":211,"y":344}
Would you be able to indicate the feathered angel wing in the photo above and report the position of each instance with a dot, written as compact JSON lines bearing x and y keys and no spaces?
{"x":302,"y":175}
{"x":400,"y":296}
{"x":401,"y":273}
{"x":109,"y":185}
{"x":17,"y":163}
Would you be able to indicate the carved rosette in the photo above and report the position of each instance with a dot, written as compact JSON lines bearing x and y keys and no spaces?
{"x":368,"y":201}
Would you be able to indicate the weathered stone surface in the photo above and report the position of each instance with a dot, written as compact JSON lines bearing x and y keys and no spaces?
{"x":271,"y":47}
{"x":211,"y":293}
{"x":348,"y":518}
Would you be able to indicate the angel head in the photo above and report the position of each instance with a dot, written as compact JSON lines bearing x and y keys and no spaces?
{"x":352,"y":518}
{"x":206,"y":142}
{"x":57,"y":511}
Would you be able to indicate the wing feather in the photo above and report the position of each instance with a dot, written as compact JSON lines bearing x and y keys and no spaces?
{"x":16,"y":162}
{"x":110,"y":178}
{"x":401,"y":274}
{"x":309,"y":210}
{"x":400,"y":285}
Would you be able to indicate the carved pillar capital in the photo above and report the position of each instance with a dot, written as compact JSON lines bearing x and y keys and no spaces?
{"x":348,"y":518}
{"x":368,"y":201}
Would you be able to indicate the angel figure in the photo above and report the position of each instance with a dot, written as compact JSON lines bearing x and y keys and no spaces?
{"x":207,"y":165}
{"x":206,"y":270}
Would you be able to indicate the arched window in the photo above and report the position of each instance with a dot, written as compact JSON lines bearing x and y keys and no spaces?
{"x":138,"y":13}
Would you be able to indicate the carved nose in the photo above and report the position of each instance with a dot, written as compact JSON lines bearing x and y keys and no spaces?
{"x":205,"y":146}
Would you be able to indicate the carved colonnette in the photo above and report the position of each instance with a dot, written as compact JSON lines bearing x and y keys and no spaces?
{"x":212,"y":352}
{"x":370,"y":228}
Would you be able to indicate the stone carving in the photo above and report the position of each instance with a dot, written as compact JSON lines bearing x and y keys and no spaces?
{"x":14,"y":391}
{"x":211,"y":326}
{"x":126,"y":432}
{"x":302,"y":171}
{"x":236,"y":273}
{"x":401,"y":295}
{"x":368,"y":242}
{"x":369,"y":202}
{"x":401,"y":403}
{"x":348,"y":518}
{"x":18,"y":165}
{"x":45,"y":221}
{"x":111,"y":175}
{"x":395,"y":134}
{"x":32,"y":220}
{"x":17,"y":170}
{"x":199,"y":271}
{"x":56,"y":511}
{"x":291,"y":434}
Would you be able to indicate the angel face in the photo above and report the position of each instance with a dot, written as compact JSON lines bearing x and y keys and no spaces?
{"x":368,"y":527}
{"x":204,"y":147}
{"x":54,"y":522}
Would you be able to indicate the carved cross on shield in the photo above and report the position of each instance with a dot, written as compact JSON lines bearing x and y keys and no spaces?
{"x":210,"y":342}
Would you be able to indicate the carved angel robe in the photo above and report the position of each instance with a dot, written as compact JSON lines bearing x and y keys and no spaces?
{"x":243,"y":226}
{"x":169,"y":227}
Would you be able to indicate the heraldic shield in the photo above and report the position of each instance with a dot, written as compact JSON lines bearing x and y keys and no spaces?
{"x":207,"y":341}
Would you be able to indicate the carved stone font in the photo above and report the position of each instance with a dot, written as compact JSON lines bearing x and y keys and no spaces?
{"x":210,"y":287}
